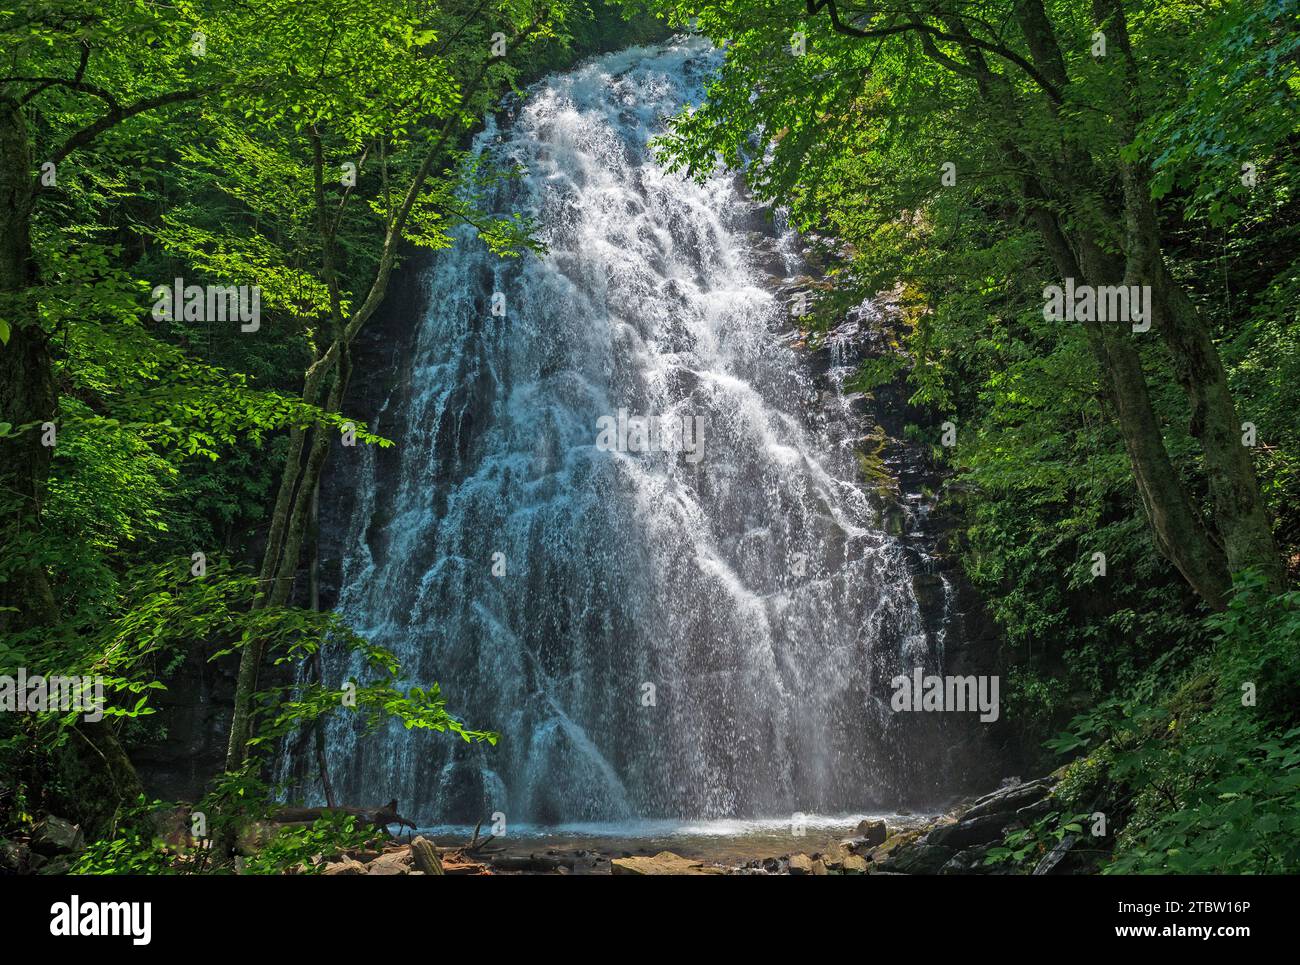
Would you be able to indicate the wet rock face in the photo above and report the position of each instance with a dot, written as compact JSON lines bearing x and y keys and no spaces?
{"x":770,"y":592}
{"x":907,"y":481}
{"x":195,"y":709}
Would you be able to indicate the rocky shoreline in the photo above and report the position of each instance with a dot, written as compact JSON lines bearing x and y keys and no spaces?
{"x":957,"y":842}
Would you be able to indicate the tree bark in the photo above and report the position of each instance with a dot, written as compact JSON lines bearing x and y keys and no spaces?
{"x":104,"y":776}
{"x":1179,"y":534}
{"x":1240,"y":515}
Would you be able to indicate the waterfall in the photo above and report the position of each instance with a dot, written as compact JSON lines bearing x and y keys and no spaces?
{"x":655,"y":634}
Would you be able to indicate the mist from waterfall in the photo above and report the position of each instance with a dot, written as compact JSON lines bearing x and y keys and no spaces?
{"x":666,"y":638}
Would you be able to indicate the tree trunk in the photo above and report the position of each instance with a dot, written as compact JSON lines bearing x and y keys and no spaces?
{"x":1176,"y":526}
{"x":1180,"y":535}
{"x":296,"y":496}
{"x":27,"y":393}
{"x":102,"y":773}
{"x":1240,"y":515}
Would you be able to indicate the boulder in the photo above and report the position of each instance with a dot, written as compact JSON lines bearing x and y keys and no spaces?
{"x":832,"y":852}
{"x":13,"y":857}
{"x":664,"y":863}
{"x":58,"y":865}
{"x":1007,"y":800}
{"x":967,"y":862}
{"x":873,"y":832}
{"x":969,"y":832}
{"x":57,"y":836}
{"x":386,"y":868}
{"x":800,"y":864}
{"x":1032,"y":812}
{"x":854,"y":864}
{"x":819,"y":867}
{"x":893,"y":842}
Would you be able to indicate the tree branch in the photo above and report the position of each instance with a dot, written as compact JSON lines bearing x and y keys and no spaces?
{"x":116,"y":116}
{"x":815,"y":7}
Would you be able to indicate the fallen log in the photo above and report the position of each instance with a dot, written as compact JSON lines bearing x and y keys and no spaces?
{"x":380,"y":816}
{"x":531,"y":862}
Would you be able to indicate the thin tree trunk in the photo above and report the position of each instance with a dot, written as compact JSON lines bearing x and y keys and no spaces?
{"x":281,"y":583}
{"x":318,"y":665}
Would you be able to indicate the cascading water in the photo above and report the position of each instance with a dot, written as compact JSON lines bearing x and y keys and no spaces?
{"x":654,"y":636}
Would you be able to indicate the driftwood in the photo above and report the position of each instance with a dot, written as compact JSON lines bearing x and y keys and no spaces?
{"x":475,"y":844}
{"x":379,"y":817}
{"x":425,"y":856}
{"x":532,"y":862}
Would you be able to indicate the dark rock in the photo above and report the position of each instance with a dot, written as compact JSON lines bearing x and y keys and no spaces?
{"x":929,"y":590}
{"x":920,"y":859}
{"x":13,"y":857}
{"x":1052,"y":860}
{"x":967,"y":862}
{"x":870,"y":833}
{"x":969,"y":832}
{"x":1008,"y":784}
{"x":60,"y":865}
{"x":893,"y":520}
{"x":1032,"y":812}
{"x":55,"y":835}
{"x":1010,"y":799}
